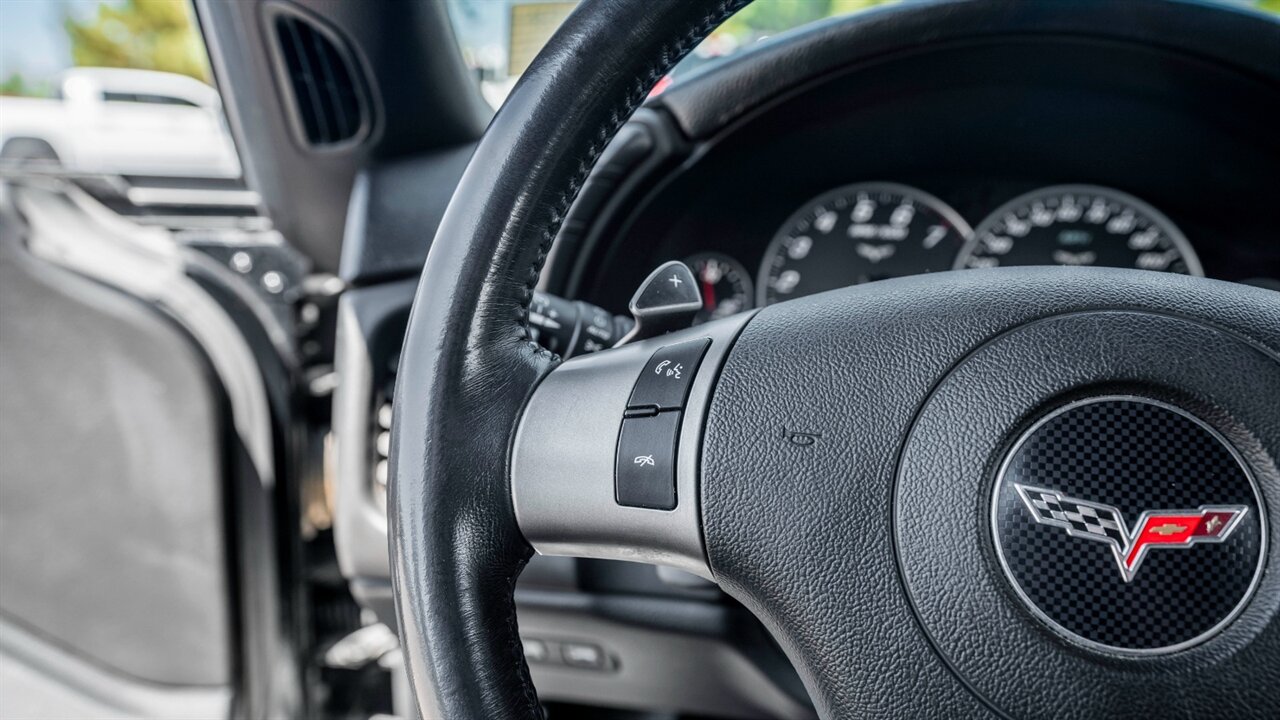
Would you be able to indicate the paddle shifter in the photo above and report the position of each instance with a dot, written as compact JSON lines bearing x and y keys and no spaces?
{"x":667,"y":300}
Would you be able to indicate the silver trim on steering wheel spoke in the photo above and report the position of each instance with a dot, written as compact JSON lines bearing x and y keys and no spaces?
{"x":563,"y":459}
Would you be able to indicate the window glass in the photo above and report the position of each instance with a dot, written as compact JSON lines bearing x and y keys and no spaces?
{"x":40,"y":39}
{"x":499,"y":38}
{"x":114,"y":87}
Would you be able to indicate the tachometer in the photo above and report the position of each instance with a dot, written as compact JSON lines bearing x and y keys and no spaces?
{"x":724,"y":284}
{"x":856,"y":234}
{"x":1079,"y":225}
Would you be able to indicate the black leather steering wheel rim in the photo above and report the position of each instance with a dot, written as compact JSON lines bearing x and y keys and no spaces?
{"x":468,"y":356}
{"x":469,"y":371}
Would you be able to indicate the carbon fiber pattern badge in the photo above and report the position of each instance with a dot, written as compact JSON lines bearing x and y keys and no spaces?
{"x":1128,"y":525}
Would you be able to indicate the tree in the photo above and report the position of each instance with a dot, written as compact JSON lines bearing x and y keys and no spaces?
{"x":15,"y":84}
{"x":144,"y":34}
{"x":773,"y":16}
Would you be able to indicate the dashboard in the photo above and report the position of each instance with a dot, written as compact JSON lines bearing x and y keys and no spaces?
{"x":978,"y":154}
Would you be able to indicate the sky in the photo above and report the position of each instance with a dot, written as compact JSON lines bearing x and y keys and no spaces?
{"x":32,"y":40}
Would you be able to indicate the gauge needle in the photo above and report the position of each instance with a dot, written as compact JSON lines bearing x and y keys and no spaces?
{"x":708,"y":293}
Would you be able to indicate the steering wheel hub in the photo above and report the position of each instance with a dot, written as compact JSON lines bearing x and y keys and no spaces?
{"x":1070,"y":498}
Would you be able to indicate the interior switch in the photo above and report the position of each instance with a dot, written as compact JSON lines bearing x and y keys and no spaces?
{"x":645,"y":470}
{"x":583,"y":655}
{"x":664,"y":382}
{"x":573,"y":328}
{"x":534,"y":650}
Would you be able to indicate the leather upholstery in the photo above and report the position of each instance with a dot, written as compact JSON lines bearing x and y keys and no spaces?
{"x":468,"y":364}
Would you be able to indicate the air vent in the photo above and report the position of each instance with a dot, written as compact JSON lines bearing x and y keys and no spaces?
{"x":327,"y":96}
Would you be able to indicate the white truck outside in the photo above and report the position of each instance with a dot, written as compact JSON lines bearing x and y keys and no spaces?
{"x":122,"y":122}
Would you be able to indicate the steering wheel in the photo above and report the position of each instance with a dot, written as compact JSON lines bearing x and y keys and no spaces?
{"x":1018,"y":492}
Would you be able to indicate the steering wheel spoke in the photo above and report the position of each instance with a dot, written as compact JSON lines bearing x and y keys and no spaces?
{"x":605,"y":460}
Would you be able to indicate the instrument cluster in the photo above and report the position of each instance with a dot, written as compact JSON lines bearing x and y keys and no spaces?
{"x":876,"y":230}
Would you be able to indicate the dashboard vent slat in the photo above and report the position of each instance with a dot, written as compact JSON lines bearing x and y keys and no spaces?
{"x":324,"y":86}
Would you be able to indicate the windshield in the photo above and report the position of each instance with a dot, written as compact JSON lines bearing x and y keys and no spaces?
{"x":499,"y":38}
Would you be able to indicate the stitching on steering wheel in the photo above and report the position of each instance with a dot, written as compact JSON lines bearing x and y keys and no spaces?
{"x":668,"y":56}
{"x":517,"y":647}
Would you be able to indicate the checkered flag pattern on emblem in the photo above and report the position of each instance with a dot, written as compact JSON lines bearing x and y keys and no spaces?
{"x":1084,"y":519}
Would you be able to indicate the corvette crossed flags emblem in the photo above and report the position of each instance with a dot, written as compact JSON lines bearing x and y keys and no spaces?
{"x":1155,"y":528}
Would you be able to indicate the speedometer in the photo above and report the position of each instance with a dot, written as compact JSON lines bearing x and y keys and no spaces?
{"x":1079,"y":225}
{"x":856,"y":234}
{"x":723,"y":283}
